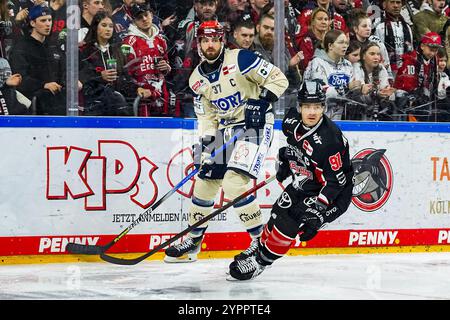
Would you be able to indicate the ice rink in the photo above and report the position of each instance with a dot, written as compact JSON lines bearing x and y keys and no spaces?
{"x":403,"y":276}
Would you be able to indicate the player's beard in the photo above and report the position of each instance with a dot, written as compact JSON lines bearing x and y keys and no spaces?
{"x":267,"y":42}
{"x":211,"y":54}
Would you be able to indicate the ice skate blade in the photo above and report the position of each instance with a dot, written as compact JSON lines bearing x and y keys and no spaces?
{"x":186,"y":258}
{"x":231,"y":279}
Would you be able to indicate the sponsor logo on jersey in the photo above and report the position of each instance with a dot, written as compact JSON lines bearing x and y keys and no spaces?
{"x":338,"y":80}
{"x":231,"y":101}
{"x":198,"y":84}
{"x":229,"y":69}
{"x":317,"y":138}
{"x":264,"y":69}
{"x":373,"y":179}
{"x":284,"y":201}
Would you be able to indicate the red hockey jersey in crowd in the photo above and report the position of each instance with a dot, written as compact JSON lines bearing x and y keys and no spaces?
{"x":143,"y":52}
{"x":413,"y":74}
{"x":305,"y":17}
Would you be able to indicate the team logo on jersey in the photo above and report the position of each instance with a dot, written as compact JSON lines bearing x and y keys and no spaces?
{"x":229,"y":69}
{"x":373,"y":180}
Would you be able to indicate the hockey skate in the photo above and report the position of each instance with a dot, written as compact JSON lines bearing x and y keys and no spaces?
{"x":249,"y":252}
{"x":245,"y":269}
{"x":186,"y":251}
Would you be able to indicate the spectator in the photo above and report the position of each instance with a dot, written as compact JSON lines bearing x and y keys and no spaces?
{"x":337,"y":21}
{"x":122,"y":18}
{"x":443,"y":102}
{"x":40,"y":67}
{"x":146,"y":53}
{"x":6,"y":29}
{"x":330,"y":66}
{"x":243,"y":36}
{"x":311,"y":40}
{"x":58,"y":9}
{"x":256,"y":7}
{"x":184,"y":54}
{"x":431,"y":18}
{"x":264,"y":44}
{"x":230,"y":12}
{"x":12,"y":102}
{"x":185,"y":49}
{"x":394,"y":32}
{"x":373,"y":87}
{"x":89,"y":9}
{"x":342,"y":7}
{"x":105,"y":82}
{"x":353,"y":51}
{"x":21,"y":10}
{"x":417,"y":79}
{"x":291,"y":29}
{"x":361,"y":30}
{"x":264,"y":40}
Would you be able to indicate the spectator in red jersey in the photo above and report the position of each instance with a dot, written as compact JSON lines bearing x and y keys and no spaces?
{"x":146,"y":53}
{"x":256,"y":7}
{"x":417,"y":79}
{"x":337,"y":21}
{"x":309,"y":41}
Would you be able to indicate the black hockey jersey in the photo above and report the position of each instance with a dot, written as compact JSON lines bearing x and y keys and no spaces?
{"x":318,"y":158}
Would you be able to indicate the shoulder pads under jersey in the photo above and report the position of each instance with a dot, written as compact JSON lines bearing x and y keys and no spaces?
{"x":247,"y":60}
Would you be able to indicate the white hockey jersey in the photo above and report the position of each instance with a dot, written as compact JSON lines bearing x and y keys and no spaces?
{"x":336,"y":75}
{"x":220,"y":96}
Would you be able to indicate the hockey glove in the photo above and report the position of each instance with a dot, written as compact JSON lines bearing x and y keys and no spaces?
{"x":202,"y":154}
{"x":282,"y":165}
{"x":312,"y":219}
{"x":255,"y":113}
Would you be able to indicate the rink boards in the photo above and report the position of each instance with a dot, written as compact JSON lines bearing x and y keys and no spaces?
{"x":80,"y":179}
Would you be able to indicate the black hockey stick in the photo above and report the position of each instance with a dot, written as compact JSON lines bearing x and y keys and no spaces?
{"x":136,"y":260}
{"x":79,"y":248}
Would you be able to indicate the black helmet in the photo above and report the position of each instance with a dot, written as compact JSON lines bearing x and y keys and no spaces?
{"x":311,"y":91}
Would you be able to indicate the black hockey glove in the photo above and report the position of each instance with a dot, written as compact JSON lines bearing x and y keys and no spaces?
{"x":255,"y":113}
{"x":312,"y":219}
{"x":282,"y":165}
{"x":202,"y":154}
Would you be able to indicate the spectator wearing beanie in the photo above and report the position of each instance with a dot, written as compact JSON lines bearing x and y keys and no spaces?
{"x":41,"y":67}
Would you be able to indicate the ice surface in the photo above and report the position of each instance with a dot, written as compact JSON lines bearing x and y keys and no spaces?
{"x":376,"y":276}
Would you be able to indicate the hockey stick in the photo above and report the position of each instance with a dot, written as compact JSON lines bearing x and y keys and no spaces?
{"x":98,"y":249}
{"x":134,"y":261}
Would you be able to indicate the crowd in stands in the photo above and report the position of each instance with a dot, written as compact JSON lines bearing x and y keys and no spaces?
{"x":378,"y":59}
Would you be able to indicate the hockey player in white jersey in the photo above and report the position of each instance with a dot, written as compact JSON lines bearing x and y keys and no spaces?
{"x":233,"y":90}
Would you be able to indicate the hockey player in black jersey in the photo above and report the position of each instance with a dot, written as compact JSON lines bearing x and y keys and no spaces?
{"x":317,"y":158}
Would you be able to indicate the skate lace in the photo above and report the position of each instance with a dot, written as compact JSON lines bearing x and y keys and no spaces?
{"x":252,"y":248}
{"x":247,"y":265}
{"x":185,"y":244}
